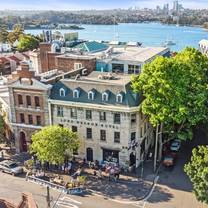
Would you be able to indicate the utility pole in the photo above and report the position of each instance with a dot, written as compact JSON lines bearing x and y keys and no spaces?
{"x":48,"y":197}
{"x":160,"y":142}
{"x":156,"y":147}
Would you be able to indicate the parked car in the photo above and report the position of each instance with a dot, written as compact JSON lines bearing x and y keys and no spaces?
{"x":11,"y":167}
{"x":175,"y":145}
{"x":170,"y":159}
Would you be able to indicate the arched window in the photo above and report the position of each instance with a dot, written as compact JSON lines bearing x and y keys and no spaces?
{"x":20,"y":100}
{"x":62,"y":92}
{"x":119,"y":98}
{"x":91,"y":95}
{"x":76,"y":93}
{"x":105,"y":97}
{"x":37,"y":101}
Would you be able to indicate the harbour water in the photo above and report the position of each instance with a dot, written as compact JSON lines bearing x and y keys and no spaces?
{"x":149,"y":34}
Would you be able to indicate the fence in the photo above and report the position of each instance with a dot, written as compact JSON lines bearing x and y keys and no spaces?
{"x":73,"y":191}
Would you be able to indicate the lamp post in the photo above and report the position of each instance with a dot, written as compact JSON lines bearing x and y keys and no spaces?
{"x":48,"y":197}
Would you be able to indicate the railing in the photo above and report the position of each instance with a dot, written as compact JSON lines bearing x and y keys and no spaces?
{"x":57,"y":187}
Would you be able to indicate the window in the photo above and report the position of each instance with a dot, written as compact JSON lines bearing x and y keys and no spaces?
{"x":102,"y":116}
{"x":74,"y":113}
{"x":60,"y":111}
{"x":30,"y":119}
{"x":76,"y":94}
{"x":20,"y":100}
{"x":62,"y":92}
{"x":91,"y":95}
{"x":141,"y":132}
{"x":116,"y":137}
{"x":88,"y":114}
{"x":89,"y":133}
{"x":119,"y":98}
{"x":105,"y":97}
{"x":28,"y":99}
{"x":133,"y":136}
{"x":103,"y":135}
{"x":74,"y":128}
{"x":133,"y":118}
{"x":37,"y":101}
{"x":117,"y":118}
{"x":78,"y":65}
{"x":38,"y":120}
{"x":134,"y":69}
{"x":22,"y":118}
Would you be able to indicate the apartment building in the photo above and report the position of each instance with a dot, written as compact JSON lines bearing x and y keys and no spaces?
{"x":28,"y":100}
{"x":103,"y":110}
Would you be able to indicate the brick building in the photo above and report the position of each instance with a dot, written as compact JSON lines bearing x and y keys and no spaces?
{"x":47,"y":59}
{"x":29,"y":105}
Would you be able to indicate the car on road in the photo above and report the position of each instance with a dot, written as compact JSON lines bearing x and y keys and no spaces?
{"x":175,"y":145}
{"x":11,"y":167}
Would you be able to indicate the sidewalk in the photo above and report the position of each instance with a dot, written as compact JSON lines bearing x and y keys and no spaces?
{"x":130,"y":187}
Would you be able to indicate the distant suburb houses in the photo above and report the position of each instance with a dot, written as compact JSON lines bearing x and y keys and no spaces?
{"x":87,"y":89}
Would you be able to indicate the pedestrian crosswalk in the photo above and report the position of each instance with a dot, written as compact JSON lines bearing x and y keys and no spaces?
{"x":67,"y":202}
{"x":140,"y":204}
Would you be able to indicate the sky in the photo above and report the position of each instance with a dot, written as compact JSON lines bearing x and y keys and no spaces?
{"x":93,"y":4}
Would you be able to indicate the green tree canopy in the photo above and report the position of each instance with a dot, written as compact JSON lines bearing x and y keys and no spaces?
{"x":52,"y":142}
{"x":3,"y":33}
{"x":16,"y":33}
{"x":197,"y":170}
{"x":175,"y":91}
{"x":27,"y":42}
{"x":2,"y":137}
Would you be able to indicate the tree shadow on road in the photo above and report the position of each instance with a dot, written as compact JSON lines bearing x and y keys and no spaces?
{"x":160,"y":195}
{"x":119,"y":190}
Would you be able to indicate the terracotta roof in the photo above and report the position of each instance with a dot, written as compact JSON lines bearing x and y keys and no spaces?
{"x":3,"y":59}
{"x":14,"y":58}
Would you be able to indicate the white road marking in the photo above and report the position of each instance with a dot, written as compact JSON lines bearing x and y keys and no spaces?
{"x":68,"y":202}
{"x":70,"y":199}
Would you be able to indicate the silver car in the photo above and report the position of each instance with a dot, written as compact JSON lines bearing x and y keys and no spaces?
{"x":11,"y":167}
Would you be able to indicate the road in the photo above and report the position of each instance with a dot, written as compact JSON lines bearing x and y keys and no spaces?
{"x":174,"y":189}
{"x":11,"y":187}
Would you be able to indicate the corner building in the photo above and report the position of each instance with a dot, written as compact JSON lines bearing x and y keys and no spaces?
{"x":103,"y":110}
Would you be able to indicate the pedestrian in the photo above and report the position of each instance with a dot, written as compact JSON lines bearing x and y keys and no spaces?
{"x":63,"y":168}
{"x":69,"y":167}
{"x":2,"y":154}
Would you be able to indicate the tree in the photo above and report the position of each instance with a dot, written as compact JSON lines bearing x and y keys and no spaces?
{"x":16,"y":33}
{"x":197,"y":170}
{"x":3,"y":33}
{"x":52,"y":142}
{"x":175,"y":91}
{"x":27,"y":42}
{"x":2,"y":137}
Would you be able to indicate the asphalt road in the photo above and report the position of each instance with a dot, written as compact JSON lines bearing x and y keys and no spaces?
{"x":11,"y":187}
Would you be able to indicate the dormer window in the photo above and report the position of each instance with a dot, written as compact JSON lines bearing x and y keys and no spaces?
{"x":76,"y":93}
{"x":105,"y":97}
{"x":119,"y":98}
{"x":91,"y":95}
{"x":62,"y":92}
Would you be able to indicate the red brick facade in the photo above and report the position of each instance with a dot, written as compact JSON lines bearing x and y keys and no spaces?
{"x":44,"y":49}
{"x":29,"y":106}
{"x":68,"y":63}
{"x":50,"y":60}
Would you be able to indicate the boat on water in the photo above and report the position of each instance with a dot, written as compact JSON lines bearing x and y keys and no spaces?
{"x":168,"y":43}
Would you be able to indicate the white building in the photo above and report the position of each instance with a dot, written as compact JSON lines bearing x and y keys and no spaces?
{"x":105,"y":112}
{"x":5,"y":47}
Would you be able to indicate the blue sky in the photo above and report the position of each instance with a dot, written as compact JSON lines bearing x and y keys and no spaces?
{"x":93,"y":4}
